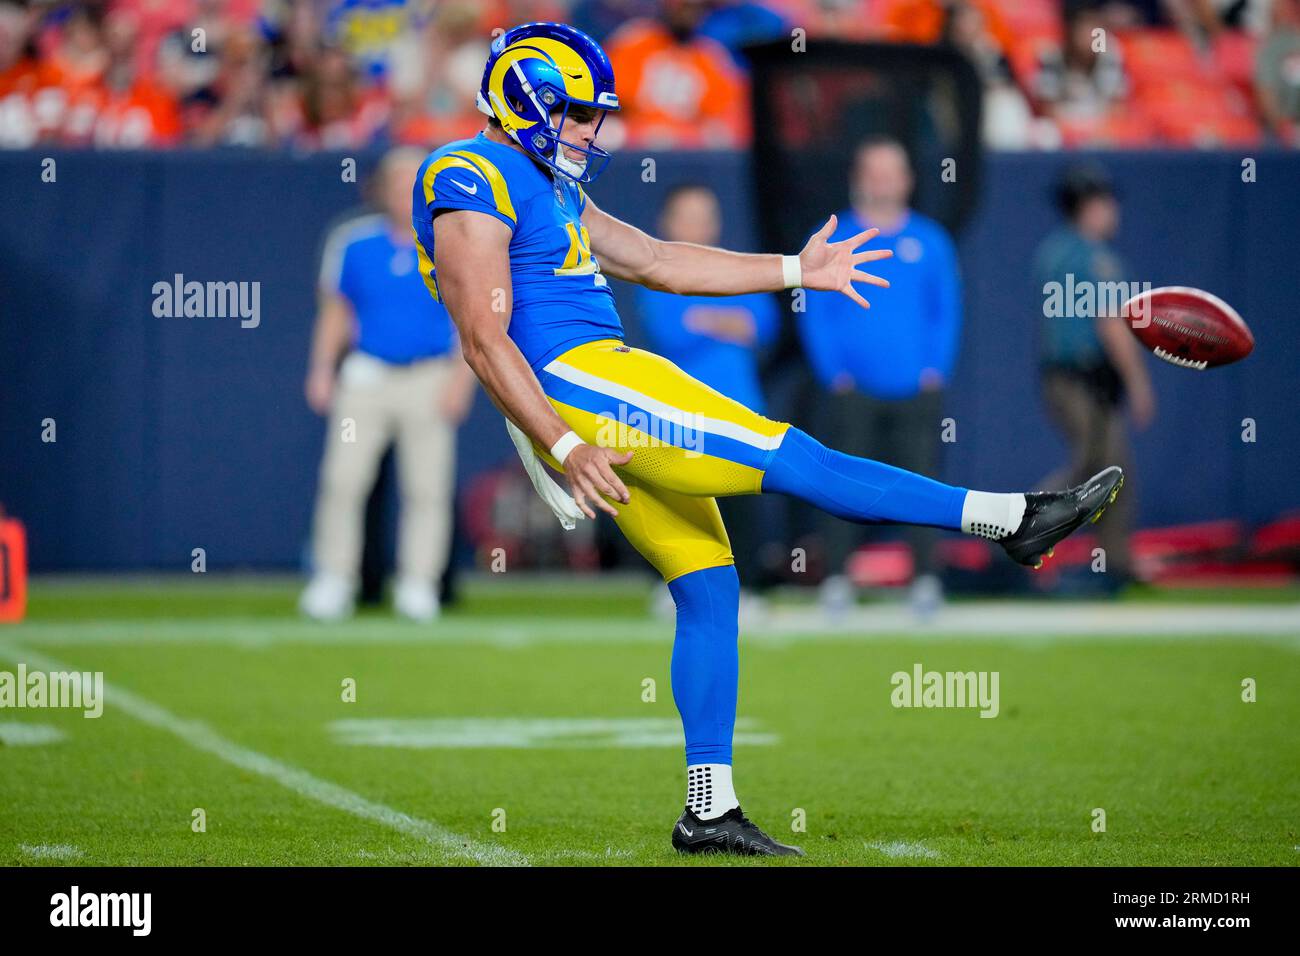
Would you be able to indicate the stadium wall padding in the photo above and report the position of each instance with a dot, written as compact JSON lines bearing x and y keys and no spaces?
{"x":179,"y":433}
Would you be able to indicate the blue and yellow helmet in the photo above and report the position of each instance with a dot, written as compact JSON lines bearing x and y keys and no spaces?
{"x":537,"y":69}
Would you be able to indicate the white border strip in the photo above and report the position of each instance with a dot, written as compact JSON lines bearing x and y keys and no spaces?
{"x":202,"y":737}
{"x":676,"y":416}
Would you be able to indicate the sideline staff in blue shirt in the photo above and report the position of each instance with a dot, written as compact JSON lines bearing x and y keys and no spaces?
{"x":885,"y":370}
{"x":712,"y":338}
{"x":716,"y":339}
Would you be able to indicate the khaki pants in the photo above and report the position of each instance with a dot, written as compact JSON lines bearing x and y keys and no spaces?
{"x":375,"y":405}
{"x":1097,"y":435}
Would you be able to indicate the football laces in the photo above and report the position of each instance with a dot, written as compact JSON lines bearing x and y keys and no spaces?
{"x":1179,"y":360}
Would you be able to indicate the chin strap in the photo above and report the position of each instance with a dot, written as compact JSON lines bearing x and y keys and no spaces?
{"x":574,"y":170}
{"x":556,"y":498}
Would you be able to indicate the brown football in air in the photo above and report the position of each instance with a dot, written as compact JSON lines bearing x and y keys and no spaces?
{"x":1188,"y":327}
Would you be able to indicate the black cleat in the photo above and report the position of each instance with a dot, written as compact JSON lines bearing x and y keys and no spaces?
{"x":730,"y":833}
{"x":1052,"y":515}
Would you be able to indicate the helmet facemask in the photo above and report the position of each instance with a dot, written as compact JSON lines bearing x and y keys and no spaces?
{"x":542,"y":140}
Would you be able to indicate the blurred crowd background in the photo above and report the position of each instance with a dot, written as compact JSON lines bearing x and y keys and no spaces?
{"x":343,"y":74}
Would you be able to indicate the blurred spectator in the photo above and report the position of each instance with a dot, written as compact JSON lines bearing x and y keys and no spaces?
{"x":1125,"y":14}
{"x":927,"y":21}
{"x":80,"y":56}
{"x":1081,"y":80}
{"x":716,"y":340}
{"x":338,"y":113}
{"x":367,"y":31}
{"x":155,"y":21}
{"x":1277,"y":73}
{"x":88,"y":91}
{"x":29,"y":86}
{"x":1208,"y":18}
{"x":736,"y":23}
{"x":226,"y":91}
{"x":323,"y":74}
{"x":1091,"y":364}
{"x":1008,"y":121}
{"x":436,"y":73}
{"x":292,"y":30}
{"x":884,"y":371}
{"x":402,"y":381}
{"x":678,"y":88}
{"x":131,"y":110}
{"x":842,"y":19}
{"x":600,"y":18}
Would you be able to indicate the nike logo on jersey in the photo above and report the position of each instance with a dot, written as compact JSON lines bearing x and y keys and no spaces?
{"x":469,"y":189}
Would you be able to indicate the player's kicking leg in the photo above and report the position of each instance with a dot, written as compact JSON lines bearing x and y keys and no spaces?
{"x":1027,"y":526}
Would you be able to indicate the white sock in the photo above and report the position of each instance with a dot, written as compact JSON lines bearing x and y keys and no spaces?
{"x":992,"y":516}
{"x":709,"y":793}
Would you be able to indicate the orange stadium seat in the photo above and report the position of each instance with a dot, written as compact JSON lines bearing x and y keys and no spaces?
{"x":1118,"y":129}
{"x":1207,"y":130}
{"x":1234,"y":54}
{"x":1183,"y":94}
{"x":863,"y":20}
{"x":1199,"y":113}
{"x":1153,"y":56}
{"x":922,"y":21}
{"x":1027,"y":16}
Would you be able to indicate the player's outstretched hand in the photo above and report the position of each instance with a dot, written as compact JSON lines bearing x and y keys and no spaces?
{"x":832,"y":266}
{"x":591,"y":475}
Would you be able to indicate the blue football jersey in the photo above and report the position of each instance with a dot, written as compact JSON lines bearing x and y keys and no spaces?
{"x":560,"y":297}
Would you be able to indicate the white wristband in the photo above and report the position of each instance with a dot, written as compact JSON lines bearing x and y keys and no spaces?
{"x":568,"y":441}
{"x":791,"y":271}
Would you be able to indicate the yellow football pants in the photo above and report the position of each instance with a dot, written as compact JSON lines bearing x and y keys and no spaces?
{"x":690,"y":444}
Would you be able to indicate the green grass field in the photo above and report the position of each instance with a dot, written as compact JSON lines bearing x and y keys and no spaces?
{"x":524,"y":708}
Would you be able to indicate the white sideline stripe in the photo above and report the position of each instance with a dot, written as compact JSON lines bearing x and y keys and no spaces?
{"x":1006,"y":622}
{"x":711,"y":426}
{"x":202,"y":737}
{"x":1032,"y":622}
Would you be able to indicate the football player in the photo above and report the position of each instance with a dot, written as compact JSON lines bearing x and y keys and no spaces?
{"x":510,"y":242}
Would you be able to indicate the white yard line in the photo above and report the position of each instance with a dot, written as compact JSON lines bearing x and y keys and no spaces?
{"x":21,"y":733}
{"x":50,"y":851}
{"x":903,"y":849}
{"x":202,"y":737}
{"x":528,"y":733}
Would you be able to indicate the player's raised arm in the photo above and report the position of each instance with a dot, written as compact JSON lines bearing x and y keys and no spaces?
{"x":689,"y":269}
{"x":473,"y":268}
